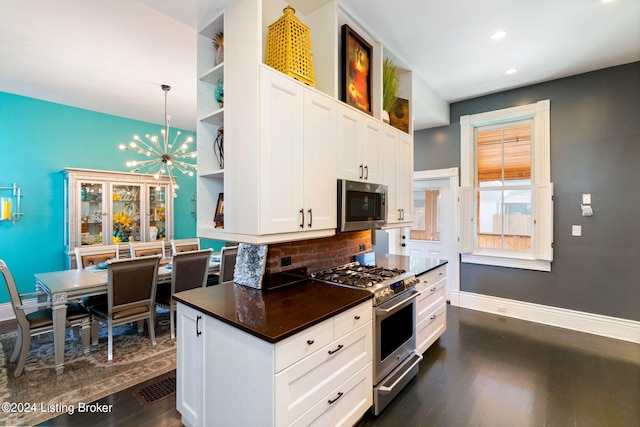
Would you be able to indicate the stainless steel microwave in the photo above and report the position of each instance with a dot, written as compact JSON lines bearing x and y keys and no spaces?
{"x":361,"y":205}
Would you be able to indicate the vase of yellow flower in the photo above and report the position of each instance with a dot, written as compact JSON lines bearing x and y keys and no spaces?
{"x":122,"y":226}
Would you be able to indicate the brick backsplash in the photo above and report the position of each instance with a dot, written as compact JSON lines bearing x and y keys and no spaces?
{"x":319,"y":254}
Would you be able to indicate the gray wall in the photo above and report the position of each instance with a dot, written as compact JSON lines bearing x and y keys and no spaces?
{"x":595,"y":148}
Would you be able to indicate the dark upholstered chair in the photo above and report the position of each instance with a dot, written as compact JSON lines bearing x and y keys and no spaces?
{"x":139,"y":249}
{"x":131,"y":292}
{"x":39,"y":321}
{"x":185,"y":245}
{"x":189,"y":270}
{"x":88,"y":256}
{"x":228,"y":256}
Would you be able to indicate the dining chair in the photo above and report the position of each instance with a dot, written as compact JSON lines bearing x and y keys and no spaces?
{"x":131,"y":292}
{"x":93,"y":255}
{"x":183,"y":245}
{"x":227,"y":263}
{"x":39,"y":321}
{"x":139,"y":249}
{"x":189,"y":270}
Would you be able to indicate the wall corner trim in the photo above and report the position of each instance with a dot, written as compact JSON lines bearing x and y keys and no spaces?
{"x":606,"y":326}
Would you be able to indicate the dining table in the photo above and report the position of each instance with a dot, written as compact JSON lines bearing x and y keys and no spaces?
{"x":70,"y":285}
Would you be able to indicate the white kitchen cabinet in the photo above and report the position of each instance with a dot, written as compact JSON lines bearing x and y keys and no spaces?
{"x":431,"y":306}
{"x":297,"y":172}
{"x":359,"y":141}
{"x":322,"y":374}
{"x":104,"y":208}
{"x":190,"y":365}
{"x":285,"y":143}
{"x":397,"y":147}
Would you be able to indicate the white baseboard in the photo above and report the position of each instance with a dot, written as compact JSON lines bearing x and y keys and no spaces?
{"x":612,"y":327}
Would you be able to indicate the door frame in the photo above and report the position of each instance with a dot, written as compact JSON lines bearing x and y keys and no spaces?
{"x":453,"y":257}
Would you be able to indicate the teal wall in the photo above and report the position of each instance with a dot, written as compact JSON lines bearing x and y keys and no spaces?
{"x":38,"y":140}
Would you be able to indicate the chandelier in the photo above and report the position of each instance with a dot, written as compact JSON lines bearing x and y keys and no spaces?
{"x":163,"y":155}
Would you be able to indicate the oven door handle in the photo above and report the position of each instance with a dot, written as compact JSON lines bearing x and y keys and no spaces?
{"x":388,"y":389}
{"x":414,"y":295}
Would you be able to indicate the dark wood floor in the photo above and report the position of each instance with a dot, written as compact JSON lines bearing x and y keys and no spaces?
{"x":486,"y":370}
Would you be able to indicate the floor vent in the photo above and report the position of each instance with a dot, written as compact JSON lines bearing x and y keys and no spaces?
{"x":158,"y":390}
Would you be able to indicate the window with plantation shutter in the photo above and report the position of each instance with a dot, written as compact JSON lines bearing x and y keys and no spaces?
{"x":506,"y":209}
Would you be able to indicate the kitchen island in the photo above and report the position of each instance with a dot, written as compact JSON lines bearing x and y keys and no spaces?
{"x":290,"y":356}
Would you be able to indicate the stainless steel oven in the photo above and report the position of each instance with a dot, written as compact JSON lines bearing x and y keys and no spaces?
{"x":395,"y":357}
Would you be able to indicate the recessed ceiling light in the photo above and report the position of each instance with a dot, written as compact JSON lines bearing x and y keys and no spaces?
{"x":608,"y":1}
{"x":511,"y":70}
{"x":498,"y":35}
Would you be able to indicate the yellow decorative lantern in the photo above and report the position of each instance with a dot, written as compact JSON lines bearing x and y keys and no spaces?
{"x":289,"y":47}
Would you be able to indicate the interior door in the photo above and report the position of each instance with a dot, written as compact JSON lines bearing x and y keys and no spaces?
{"x":433,"y":230}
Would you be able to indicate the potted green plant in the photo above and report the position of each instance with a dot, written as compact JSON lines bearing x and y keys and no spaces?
{"x":390,"y":83}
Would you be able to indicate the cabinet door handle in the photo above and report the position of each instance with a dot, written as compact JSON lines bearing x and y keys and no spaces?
{"x":198,"y":332}
{"x":310,"y":342}
{"x":331,"y":401}
{"x":302,"y":213}
{"x":356,"y":317}
{"x":366,"y":170}
{"x":310,"y":217}
{"x":336,"y":350}
{"x":361,"y":172}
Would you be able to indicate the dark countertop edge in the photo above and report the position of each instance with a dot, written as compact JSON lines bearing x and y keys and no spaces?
{"x":274,"y":339}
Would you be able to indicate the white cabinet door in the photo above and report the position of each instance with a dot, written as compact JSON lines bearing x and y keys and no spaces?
{"x":281,"y":154}
{"x":190,"y":365}
{"x":370,"y":142}
{"x":389,"y":147}
{"x":404,"y":177}
{"x":359,"y":142}
{"x":348,"y":134}
{"x":320,"y":157}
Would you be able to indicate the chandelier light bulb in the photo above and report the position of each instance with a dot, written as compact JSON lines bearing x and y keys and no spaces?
{"x":122,"y":147}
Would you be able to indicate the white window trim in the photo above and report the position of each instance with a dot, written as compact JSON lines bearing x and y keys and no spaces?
{"x":541,"y":254}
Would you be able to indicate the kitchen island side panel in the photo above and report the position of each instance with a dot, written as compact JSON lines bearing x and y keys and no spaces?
{"x":239,"y":380}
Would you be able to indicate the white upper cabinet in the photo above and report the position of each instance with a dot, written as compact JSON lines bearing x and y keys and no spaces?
{"x":359,"y":143}
{"x":285,"y":143}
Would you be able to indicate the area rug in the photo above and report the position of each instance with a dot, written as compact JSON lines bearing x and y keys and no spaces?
{"x":39,"y":394}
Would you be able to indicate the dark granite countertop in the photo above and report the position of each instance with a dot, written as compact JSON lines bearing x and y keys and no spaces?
{"x":273,"y":315}
{"x":413,"y":264}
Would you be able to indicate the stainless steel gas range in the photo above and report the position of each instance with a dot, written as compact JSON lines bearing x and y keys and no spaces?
{"x":394,"y":312}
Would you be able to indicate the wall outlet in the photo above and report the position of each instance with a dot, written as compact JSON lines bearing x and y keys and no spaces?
{"x":586,"y":199}
{"x":285,"y":261}
{"x":363,"y":247}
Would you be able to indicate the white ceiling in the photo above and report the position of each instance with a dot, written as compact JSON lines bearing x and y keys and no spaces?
{"x":112,"y":56}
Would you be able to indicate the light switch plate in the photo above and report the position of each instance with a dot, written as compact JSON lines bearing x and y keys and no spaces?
{"x":586,"y":199}
{"x":576,"y":230}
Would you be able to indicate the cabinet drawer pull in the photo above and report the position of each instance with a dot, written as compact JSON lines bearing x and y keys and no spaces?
{"x":433,"y":317}
{"x":433,"y":289}
{"x":198,"y":332}
{"x":310,"y":342}
{"x":336,"y":350}
{"x":356,"y":317}
{"x":331,"y":401}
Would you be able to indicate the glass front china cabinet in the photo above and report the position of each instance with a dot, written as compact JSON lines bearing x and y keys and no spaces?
{"x":104,"y":208}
